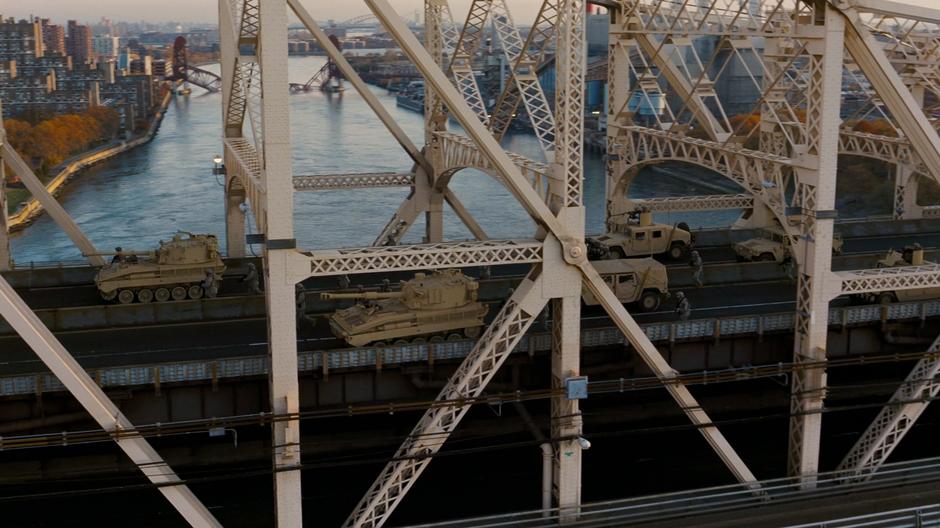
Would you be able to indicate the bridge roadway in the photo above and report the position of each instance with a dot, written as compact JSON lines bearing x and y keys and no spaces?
{"x":906,"y":486}
{"x":232,"y":325}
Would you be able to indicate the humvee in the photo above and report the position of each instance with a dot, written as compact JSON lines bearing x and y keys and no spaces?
{"x":909,"y":256}
{"x":642,"y":238}
{"x":773,"y":245}
{"x":643,"y":282}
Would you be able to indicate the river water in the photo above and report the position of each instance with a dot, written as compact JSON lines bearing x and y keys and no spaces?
{"x":147,"y":194}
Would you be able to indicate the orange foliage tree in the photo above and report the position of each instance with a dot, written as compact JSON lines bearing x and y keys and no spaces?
{"x":51,"y":141}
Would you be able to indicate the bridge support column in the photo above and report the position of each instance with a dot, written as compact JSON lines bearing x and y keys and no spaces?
{"x":816,"y":185}
{"x":905,"y":194}
{"x":563,"y":282}
{"x":280,"y":247}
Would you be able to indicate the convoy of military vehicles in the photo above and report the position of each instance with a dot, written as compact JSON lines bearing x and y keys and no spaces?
{"x":444,"y":305}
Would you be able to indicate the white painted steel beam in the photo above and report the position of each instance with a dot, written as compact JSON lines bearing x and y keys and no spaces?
{"x":693,"y":95}
{"x":365,"y":180}
{"x":93,"y":399}
{"x":423,"y":256}
{"x":471,"y":378}
{"x":362,"y":89}
{"x":898,"y":9}
{"x":896,"y":418}
{"x":52,"y":206}
{"x":464,"y":215}
{"x":889,"y":279}
{"x":391,"y":485}
{"x":279,"y":292}
{"x":815,"y":193}
{"x":713,"y":202}
{"x":897,"y":97}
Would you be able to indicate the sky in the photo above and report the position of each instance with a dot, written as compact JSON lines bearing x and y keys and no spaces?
{"x":207,"y":10}
{"x":523,"y":11}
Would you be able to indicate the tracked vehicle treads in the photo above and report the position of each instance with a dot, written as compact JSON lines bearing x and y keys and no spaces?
{"x":442,"y":305}
{"x":177,"y":270}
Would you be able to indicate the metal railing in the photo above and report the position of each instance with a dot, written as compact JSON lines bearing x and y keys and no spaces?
{"x":732,"y":498}
{"x":253,"y":360}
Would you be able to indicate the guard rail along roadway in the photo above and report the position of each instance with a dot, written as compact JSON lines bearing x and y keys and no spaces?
{"x":256,"y":364}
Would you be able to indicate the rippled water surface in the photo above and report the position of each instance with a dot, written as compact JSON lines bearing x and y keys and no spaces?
{"x":147,"y":194}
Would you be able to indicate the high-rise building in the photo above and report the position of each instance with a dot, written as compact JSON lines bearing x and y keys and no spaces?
{"x":78,"y":43}
{"x":20,"y":40}
{"x":53,"y":37}
{"x":106,"y":46}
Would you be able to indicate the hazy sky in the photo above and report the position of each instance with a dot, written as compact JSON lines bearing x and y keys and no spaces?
{"x":206,"y":10}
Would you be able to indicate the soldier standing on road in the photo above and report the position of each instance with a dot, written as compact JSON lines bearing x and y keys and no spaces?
{"x":683,"y":308}
{"x":251,"y":277}
{"x":210,"y":285}
{"x":788,"y":269}
{"x":301,"y":295}
{"x":698,"y":265}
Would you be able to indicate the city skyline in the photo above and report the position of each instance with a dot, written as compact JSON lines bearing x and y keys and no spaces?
{"x":202,"y":11}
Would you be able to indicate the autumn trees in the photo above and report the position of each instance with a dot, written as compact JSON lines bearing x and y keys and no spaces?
{"x":49,"y":142}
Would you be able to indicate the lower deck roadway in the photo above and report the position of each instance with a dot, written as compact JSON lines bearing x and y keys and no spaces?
{"x":899,"y":486}
{"x":153,"y":344}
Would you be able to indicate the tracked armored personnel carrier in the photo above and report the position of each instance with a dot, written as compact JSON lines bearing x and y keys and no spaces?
{"x":442,"y":305}
{"x":177,"y":270}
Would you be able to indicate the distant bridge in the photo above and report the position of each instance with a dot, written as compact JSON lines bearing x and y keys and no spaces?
{"x":182,"y":71}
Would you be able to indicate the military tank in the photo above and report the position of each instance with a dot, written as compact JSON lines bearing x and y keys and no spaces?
{"x":178,"y":269}
{"x":436,"y":306}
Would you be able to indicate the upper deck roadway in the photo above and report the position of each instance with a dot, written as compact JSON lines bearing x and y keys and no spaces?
{"x":232,"y":325}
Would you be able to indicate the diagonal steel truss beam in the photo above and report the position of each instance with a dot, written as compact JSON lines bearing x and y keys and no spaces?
{"x":350,"y":74}
{"x":427,"y":438}
{"x":48,"y":202}
{"x":870,"y":57}
{"x":15,"y":311}
{"x":896,"y":418}
{"x":398,"y":476}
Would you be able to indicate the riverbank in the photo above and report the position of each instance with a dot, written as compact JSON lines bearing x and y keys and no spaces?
{"x":31,"y":210}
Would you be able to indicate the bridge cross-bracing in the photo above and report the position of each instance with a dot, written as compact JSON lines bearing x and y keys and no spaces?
{"x":793,"y":55}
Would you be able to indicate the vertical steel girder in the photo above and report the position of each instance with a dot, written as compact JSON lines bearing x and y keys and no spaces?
{"x":563,"y":251}
{"x":279,"y":284}
{"x":815,"y":189}
{"x":52,"y":206}
{"x":896,"y":418}
{"x":29,"y":327}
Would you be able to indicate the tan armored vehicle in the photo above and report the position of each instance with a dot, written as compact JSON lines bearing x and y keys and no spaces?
{"x":640,"y":281}
{"x":642,"y":238}
{"x":176,"y":270}
{"x":774,"y":245}
{"x":910,"y":256}
{"x":436,"y":306}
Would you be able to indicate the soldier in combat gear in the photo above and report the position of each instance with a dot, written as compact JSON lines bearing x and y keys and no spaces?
{"x":683,"y":308}
{"x":210,"y":285}
{"x":698,"y":266}
{"x":251,"y":277}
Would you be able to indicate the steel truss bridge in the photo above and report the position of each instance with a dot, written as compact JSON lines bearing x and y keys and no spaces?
{"x":664,"y":105}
